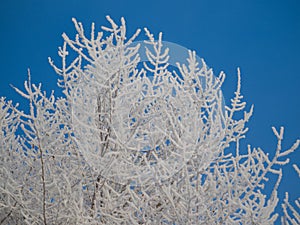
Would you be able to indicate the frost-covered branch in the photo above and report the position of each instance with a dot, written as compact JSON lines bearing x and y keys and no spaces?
{"x":133,"y":142}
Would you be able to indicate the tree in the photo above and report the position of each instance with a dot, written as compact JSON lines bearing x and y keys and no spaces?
{"x":132,"y":142}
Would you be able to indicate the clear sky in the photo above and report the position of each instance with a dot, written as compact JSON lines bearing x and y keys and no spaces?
{"x":259,"y":36}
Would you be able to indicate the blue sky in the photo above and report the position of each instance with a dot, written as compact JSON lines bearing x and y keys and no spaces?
{"x":259,"y":36}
